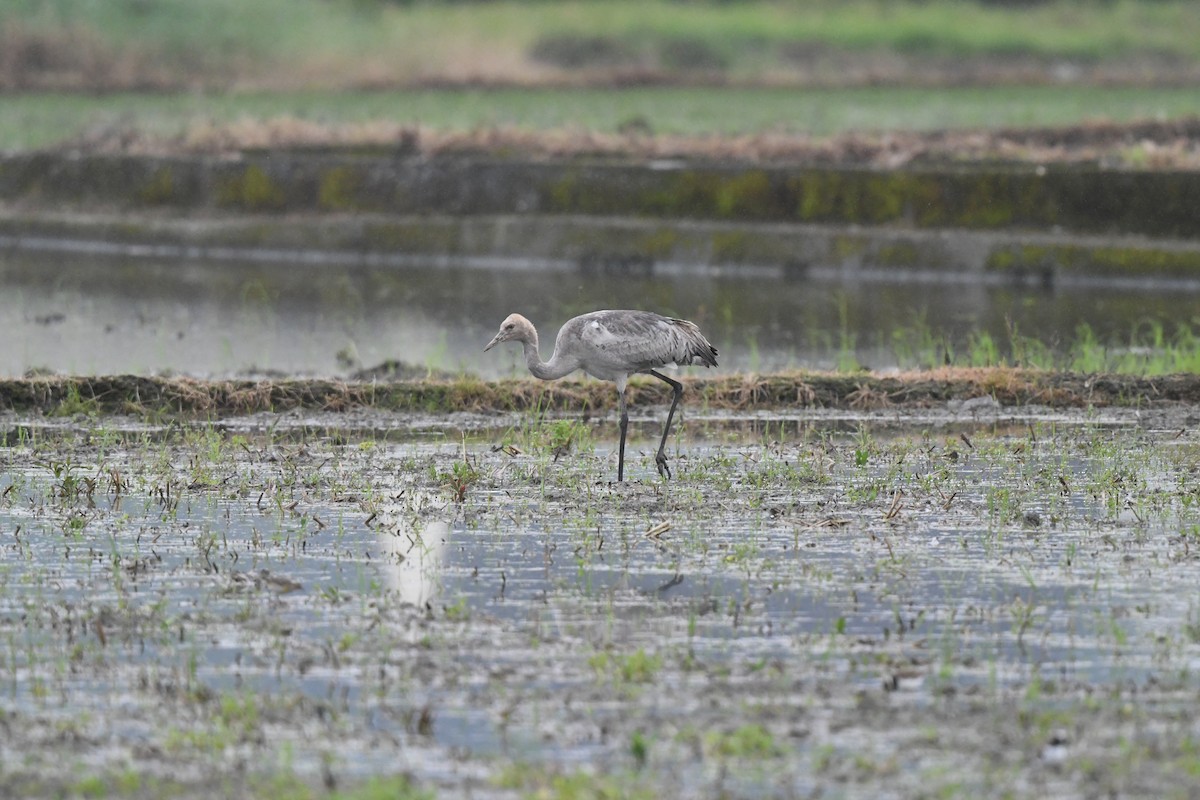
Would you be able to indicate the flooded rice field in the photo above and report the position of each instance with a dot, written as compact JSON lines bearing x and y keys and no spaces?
{"x":90,"y":315}
{"x":901,"y":603}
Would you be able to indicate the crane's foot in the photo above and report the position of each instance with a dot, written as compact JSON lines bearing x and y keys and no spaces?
{"x":663,"y":469}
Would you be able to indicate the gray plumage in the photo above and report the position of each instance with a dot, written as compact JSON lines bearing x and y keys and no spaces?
{"x":611,"y":346}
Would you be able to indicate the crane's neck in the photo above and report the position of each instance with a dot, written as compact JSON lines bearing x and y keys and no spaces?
{"x":546,"y":370}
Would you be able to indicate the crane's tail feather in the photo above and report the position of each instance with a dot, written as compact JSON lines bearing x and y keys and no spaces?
{"x":699,"y":350}
{"x":706,"y":355}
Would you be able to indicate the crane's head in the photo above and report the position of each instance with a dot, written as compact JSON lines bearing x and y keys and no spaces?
{"x":515,"y":327}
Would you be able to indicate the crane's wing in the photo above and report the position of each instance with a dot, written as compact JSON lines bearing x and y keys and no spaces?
{"x":635,"y":341}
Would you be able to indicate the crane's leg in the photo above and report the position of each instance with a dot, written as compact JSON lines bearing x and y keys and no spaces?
{"x":661,"y":458}
{"x":624,"y":427}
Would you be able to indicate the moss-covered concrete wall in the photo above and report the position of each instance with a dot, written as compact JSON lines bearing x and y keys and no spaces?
{"x":1068,"y":198}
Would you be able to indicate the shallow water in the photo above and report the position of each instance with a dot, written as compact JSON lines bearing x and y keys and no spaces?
{"x":853,"y":605}
{"x":106,"y":315}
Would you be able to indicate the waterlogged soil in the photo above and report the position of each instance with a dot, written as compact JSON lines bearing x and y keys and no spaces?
{"x":978,"y":601}
{"x":955,"y":389}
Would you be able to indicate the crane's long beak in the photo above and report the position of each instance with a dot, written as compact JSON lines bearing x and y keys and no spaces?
{"x":495,"y":341}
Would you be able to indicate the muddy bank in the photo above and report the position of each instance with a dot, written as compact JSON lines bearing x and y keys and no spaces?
{"x":959,"y":388}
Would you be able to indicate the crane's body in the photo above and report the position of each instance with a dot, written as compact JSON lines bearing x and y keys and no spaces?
{"x":611,"y":346}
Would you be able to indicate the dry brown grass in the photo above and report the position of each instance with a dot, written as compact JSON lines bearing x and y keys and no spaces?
{"x":1173,"y":144}
{"x":753,"y":391}
{"x":866,"y":397}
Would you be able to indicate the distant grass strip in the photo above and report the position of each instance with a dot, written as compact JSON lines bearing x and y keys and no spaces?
{"x":295,"y":43}
{"x":43,"y":120}
{"x":169,"y":398}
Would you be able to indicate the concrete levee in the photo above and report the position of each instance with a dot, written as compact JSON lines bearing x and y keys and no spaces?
{"x":992,"y":223}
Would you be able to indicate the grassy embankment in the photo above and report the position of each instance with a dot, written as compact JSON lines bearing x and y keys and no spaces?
{"x":306,"y":43}
{"x":365,"y":63}
{"x":160,"y":399}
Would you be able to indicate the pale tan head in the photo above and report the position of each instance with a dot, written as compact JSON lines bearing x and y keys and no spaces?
{"x":514,"y":328}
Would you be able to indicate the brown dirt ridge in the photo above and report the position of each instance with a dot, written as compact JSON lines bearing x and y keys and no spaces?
{"x":190,"y":397}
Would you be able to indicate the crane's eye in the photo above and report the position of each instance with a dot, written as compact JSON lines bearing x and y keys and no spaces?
{"x":508,"y":327}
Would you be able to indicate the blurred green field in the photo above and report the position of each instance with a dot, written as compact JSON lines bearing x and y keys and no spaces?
{"x":80,"y":68}
{"x":33,"y":121}
{"x":344,"y":43}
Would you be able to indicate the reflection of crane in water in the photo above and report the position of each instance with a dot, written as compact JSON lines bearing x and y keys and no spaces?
{"x":414,"y":565}
{"x":611,"y":346}
{"x":414,"y":532}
